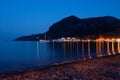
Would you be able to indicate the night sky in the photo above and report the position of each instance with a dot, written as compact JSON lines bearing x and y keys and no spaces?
{"x":25,"y":17}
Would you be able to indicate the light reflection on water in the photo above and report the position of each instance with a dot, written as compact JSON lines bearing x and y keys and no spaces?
{"x":21,"y":55}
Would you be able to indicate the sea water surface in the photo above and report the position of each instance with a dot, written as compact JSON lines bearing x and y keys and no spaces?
{"x":23,"y":55}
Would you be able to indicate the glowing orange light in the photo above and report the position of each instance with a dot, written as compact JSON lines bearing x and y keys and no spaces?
{"x":113,"y":39}
{"x":97,"y":49}
{"x":83,"y":49}
{"x":118,"y":40}
{"x":119,"y":47}
{"x":108,"y":48}
{"x":113,"y":49}
{"x":89,"y":50}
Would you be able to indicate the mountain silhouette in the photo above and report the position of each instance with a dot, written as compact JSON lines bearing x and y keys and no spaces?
{"x":73,"y":26}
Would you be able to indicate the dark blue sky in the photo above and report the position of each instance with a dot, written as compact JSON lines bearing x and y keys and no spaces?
{"x":25,"y":17}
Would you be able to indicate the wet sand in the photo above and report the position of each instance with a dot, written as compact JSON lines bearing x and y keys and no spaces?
{"x":105,"y":68}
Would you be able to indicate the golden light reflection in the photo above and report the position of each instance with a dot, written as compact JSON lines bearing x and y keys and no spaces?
{"x":108,"y":48}
{"x":77,"y":49}
{"x":100,"y":44}
{"x":89,"y":56}
{"x":97,"y":49}
{"x":83,"y":50}
{"x":100,"y":52}
{"x":113,"y":49}
{"x":102,"y":48}
{"x":119,"y":47}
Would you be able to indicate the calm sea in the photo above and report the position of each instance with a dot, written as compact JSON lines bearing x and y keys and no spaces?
{"x":24,"y":55}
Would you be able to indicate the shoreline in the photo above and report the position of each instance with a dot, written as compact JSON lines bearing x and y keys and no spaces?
{"x":56,"y":64}
{"x":107,"y":67}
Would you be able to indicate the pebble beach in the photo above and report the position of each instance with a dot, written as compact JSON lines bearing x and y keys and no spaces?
{"x":103,"y":68}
